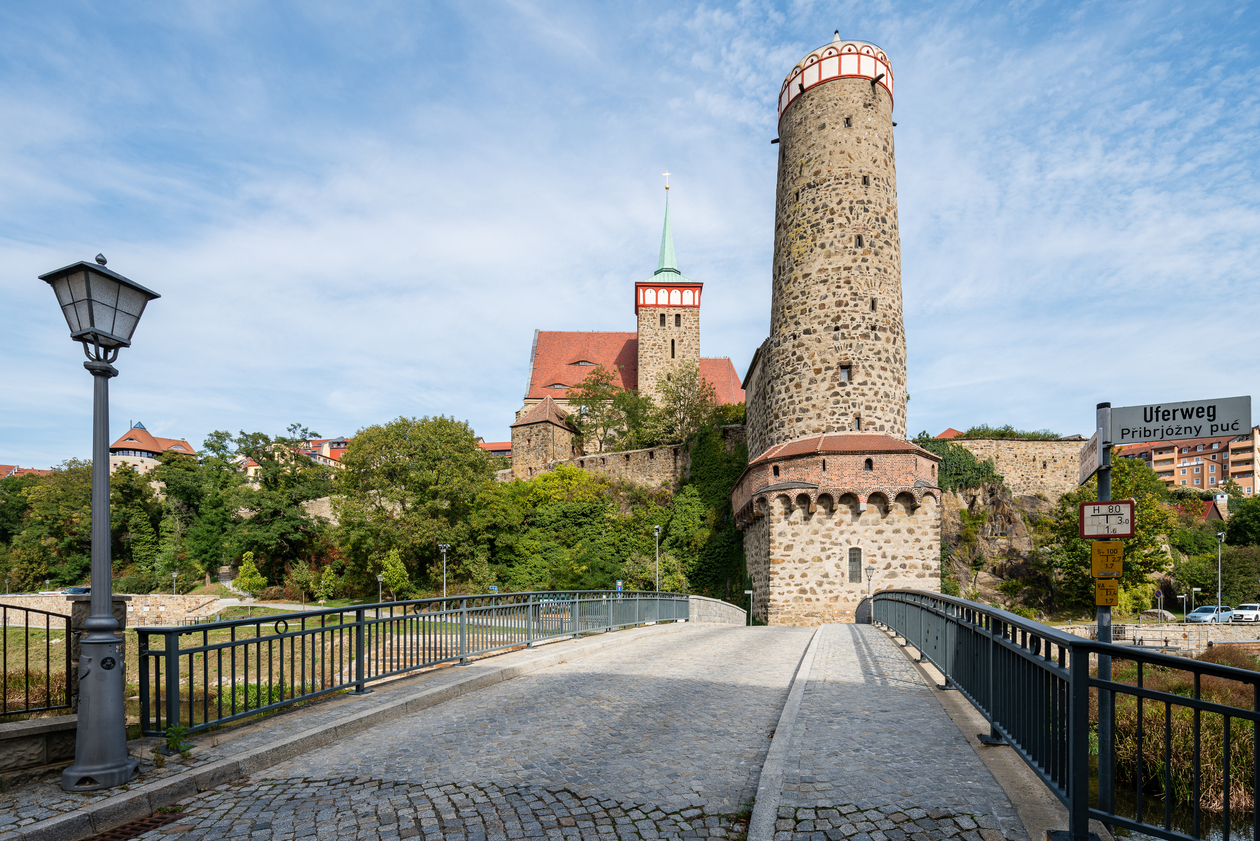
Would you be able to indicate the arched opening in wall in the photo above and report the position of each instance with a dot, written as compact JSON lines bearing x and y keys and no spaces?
{"x":857,"y":422}
{"x":858,"y":241}
{"x":671,"y":348}
{"x":802,"y":502}
{"x":868,"y":465}
{"x":651,"y":455}
{"x":855,"y":565}
{"x":662,"y":319}
{"x":826,"y":503}
{"x":785,"y":506}
{"x":905,"y":503}
{"x":934,"y":471}
{"x":678,"y":320}
{"x":879,"y":502}
{"x":849,"y":501}
{"x":776,"y":470}
{"x":866,"y":181}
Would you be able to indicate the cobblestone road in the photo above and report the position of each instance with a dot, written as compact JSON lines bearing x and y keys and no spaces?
{"x":874,"y":756}
{"x":663,"y":738}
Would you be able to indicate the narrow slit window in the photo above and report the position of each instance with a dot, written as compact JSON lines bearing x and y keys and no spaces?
{"x":869,"y":465}
{"x":857,"y":422}
{"x":671,"y":348}
{"x":858,"y":241}
{"x":846,"y":372}
{"x":872,"y":305}
{"x":855,"y":566}
{"x":662,"y":319}
{"x":678,"y":320}
{"x":824,"y":465}
{"x":866,"y":181}
{"x":776,"y":470}
{"x":848,"y":122}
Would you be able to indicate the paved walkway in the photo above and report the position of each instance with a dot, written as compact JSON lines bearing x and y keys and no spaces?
{"x":661,"y":737}
{"x":873,"y":754}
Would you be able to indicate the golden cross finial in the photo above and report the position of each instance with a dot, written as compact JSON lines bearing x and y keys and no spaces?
{"x":666,"y":174}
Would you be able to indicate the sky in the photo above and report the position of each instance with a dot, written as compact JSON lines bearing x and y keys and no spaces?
{"x":360,"y":211}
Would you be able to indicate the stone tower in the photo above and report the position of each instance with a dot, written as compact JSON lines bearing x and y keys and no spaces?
{"x":668,"y":308}
{"x":834,"y":491}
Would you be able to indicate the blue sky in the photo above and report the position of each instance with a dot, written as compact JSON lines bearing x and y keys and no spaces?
{"x":360,"y":211}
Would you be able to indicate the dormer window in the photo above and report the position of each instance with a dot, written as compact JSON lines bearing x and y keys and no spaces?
{"x":178,"y":447}
{"x":583,"y":362}
{"x":557,"y":385}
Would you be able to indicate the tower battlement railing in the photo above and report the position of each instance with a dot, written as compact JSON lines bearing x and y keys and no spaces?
{"x":841,"y":59}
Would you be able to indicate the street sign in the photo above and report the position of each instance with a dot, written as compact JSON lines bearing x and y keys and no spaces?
{"x":1159,"y":594}
{"x":494,"y":588}
{"x":1106,"y":519}
{"x":1107,"y":558}
{"x":1178,"y":421}
{"x":1106,"y":592}
{"x":619,"y":585}
{"x":1089,"y":461}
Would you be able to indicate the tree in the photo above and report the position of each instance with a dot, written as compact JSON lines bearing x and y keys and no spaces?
{"x":143,"y":545}
{"x":597,"y":415}
{"x":248,"y":578}
{"x":640,"y":572}
{"x":641,"y":427}
{"x":688,"y":402}
{"x":1243,"y":528}
{"x":14,"y":504}
{"x":1236,"y":495}
{"x":959,"y":468}
{"x":409,"y":485}
{"x":394,"y":574}
{"x":300,"y":578}
{"x":56,"y":538}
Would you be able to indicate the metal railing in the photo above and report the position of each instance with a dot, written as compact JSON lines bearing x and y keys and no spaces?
{"x":198,"y":677}
{"x":1035,"y":687}
{"x":28,"y":630}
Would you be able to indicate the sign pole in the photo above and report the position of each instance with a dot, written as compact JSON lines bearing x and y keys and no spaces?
{"x":1106,"y":763}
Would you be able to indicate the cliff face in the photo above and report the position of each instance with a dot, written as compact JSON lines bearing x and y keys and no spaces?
{"x":983,"y":531}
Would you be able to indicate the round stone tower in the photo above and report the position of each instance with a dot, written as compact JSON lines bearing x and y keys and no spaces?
{"x":835,"y":503}
{"x":836,"y":357}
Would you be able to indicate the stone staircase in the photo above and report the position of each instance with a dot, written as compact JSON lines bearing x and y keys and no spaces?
{"x":225,"y":578}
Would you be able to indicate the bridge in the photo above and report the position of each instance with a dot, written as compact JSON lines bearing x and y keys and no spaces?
{"x":666,"y":730}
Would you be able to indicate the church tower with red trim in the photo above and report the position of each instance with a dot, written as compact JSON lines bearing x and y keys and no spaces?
{"x":668,"y":309}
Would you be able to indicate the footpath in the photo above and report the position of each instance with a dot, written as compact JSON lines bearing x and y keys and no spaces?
{"x":674,"y":731}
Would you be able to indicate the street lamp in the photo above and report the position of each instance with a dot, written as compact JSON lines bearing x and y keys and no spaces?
{"x":870,"y":573}
{"x":174,"y":589}
{"x":1220,"y":539}
{"x":379,"y":579}
{"x":657,"y":531}
{"x":1183,"y":606}
{"x":444,"y":547}
{"x":102,"y":309}
{"x":1194,"y":590}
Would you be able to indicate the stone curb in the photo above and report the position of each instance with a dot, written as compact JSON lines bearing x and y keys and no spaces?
{"x":143,"y":801}
{"x":770,"y":785}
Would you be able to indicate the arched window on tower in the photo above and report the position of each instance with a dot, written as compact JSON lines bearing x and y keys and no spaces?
{"x":675,"y":297}
{"x":688,"y":299}
{"x":855,"y":566}
{"x":869,"y":465}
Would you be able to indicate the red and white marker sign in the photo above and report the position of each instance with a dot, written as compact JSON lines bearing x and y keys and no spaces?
{"x":1107,"y":519}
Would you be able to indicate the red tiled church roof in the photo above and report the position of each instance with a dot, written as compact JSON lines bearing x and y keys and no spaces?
{"x":950,"y":433}
{"x":559,"y":357}
{"x":545,"y":412}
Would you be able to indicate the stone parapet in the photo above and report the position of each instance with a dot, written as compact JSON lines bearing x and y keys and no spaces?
{"x":715,"y":612}
{"x":1030,"y":467}
{"x":650,"y":468}
{"x":144,"y":609}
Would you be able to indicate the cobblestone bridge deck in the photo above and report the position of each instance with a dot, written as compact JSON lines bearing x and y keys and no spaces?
{"x":664,"y":736}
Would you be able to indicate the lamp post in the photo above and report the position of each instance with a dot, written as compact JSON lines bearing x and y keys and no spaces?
{"x":1194,"y":590}
{"x":870,"y":573}
{"x":379,"y":578}
{"x":102,"y":309}
{"x":749,"y":594}
{"x":174,"y":588}
{"x":1220,"y":539}
{"x":1183,"y":606}
{"x":657,"y":531}
{"x":444,"y":547}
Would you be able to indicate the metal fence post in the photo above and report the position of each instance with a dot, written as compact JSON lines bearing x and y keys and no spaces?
{"x":1078,"y":745}
{"x":636,"y":607}
{"x":463,"y":631}
{"x":360,"y":648}
{"x":993,"y":737}
{"x":574,"y":608}
{"x":529,"y":621}
{"x":171,"y":652}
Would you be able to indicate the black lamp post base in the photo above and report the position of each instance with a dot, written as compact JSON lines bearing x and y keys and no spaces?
{"x":87,"y":778}
{"x":100,"y":749}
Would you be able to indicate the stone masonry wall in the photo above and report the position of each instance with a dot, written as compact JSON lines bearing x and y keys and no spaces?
{"x":650,"y":468}
{"x":654,"y":351}
{"x":837,"y":349}
{"x":537,"y":445}
{"x":146,"y":609}
{"x":1030,"y":467}
{"x":757,"y":552}
{"x":715,"y":612}
{"x":809,"y":580}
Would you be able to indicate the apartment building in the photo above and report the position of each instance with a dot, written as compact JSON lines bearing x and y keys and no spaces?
{"x":1201,"y":463}
{"x":141,"y":449}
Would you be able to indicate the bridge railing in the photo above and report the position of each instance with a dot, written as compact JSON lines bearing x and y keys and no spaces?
{"x":196,"y":677}
{"x":36,"y":662}
{"x":1035,"y":687}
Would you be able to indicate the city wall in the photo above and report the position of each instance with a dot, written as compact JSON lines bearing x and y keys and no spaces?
{"x":148,"y":609}
{"x":1030,"y":467}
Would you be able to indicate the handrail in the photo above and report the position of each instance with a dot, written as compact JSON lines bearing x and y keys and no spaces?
{"x":9,"y":619}
{"x":195,"y":677}
{"x":1033,"y":684}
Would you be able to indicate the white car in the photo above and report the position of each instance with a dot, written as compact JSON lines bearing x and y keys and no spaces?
{"x":1246,"y":613}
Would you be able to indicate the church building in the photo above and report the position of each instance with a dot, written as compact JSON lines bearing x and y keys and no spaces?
{"x":667,"y":336}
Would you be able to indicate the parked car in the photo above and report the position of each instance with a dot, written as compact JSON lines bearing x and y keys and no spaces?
{"x":78,"y":591}
{"x":1246,"y":613}
{"x":1211,"y":613}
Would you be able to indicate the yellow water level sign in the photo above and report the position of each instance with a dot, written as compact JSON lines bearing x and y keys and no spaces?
{"x":1102,"y":520}
{"x":1106,"y":592}
{"x":1107,"y":558}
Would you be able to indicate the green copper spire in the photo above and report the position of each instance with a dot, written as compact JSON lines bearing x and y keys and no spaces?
{"x":668,"y":262}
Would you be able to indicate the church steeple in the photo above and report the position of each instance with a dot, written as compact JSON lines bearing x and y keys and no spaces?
{"x":667,"y":262}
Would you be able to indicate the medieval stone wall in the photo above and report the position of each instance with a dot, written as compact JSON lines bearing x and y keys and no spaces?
{"x":808,"y":578}
{"x":537,"y":445}
{"x":655,"y":356}
{"x":650,"y":468}
{"x":1030,"y":467}
{"x":142,"y":609}
{"x":836,"y":357}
